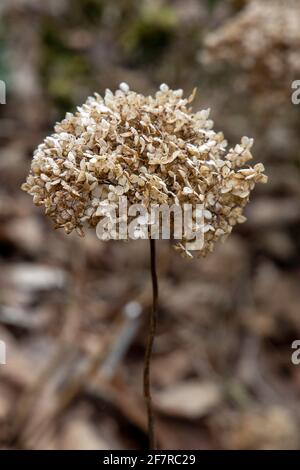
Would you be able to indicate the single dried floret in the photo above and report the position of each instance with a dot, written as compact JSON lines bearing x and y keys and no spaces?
{"x":151,"y":149}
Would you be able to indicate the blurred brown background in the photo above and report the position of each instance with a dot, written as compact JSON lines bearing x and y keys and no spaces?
{"x":73,"y":312}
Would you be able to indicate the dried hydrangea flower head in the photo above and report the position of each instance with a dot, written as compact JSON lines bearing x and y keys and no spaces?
{"x":263,"y":39}
{"x":153,"y":150}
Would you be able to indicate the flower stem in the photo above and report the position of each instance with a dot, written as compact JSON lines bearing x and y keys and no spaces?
{"x":148,"y":354}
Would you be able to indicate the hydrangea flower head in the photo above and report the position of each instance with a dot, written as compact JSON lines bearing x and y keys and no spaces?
{"x":151,"y":149}
{"x":263,"y":39}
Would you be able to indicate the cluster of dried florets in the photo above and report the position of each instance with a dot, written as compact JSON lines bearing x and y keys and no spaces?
{"x":151,"y":149}
{"x":263,"y":39}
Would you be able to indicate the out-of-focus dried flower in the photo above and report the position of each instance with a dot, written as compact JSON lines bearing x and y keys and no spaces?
{"x":263,"y":39}
{"x":151,"y":149}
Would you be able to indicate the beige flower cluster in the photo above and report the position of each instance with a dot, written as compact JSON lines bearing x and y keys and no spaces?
{"x":151,"y":149}
{"x":263,"y":39}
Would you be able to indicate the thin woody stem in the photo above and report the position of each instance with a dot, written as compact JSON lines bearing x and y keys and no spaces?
{"x":148,"y":354}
